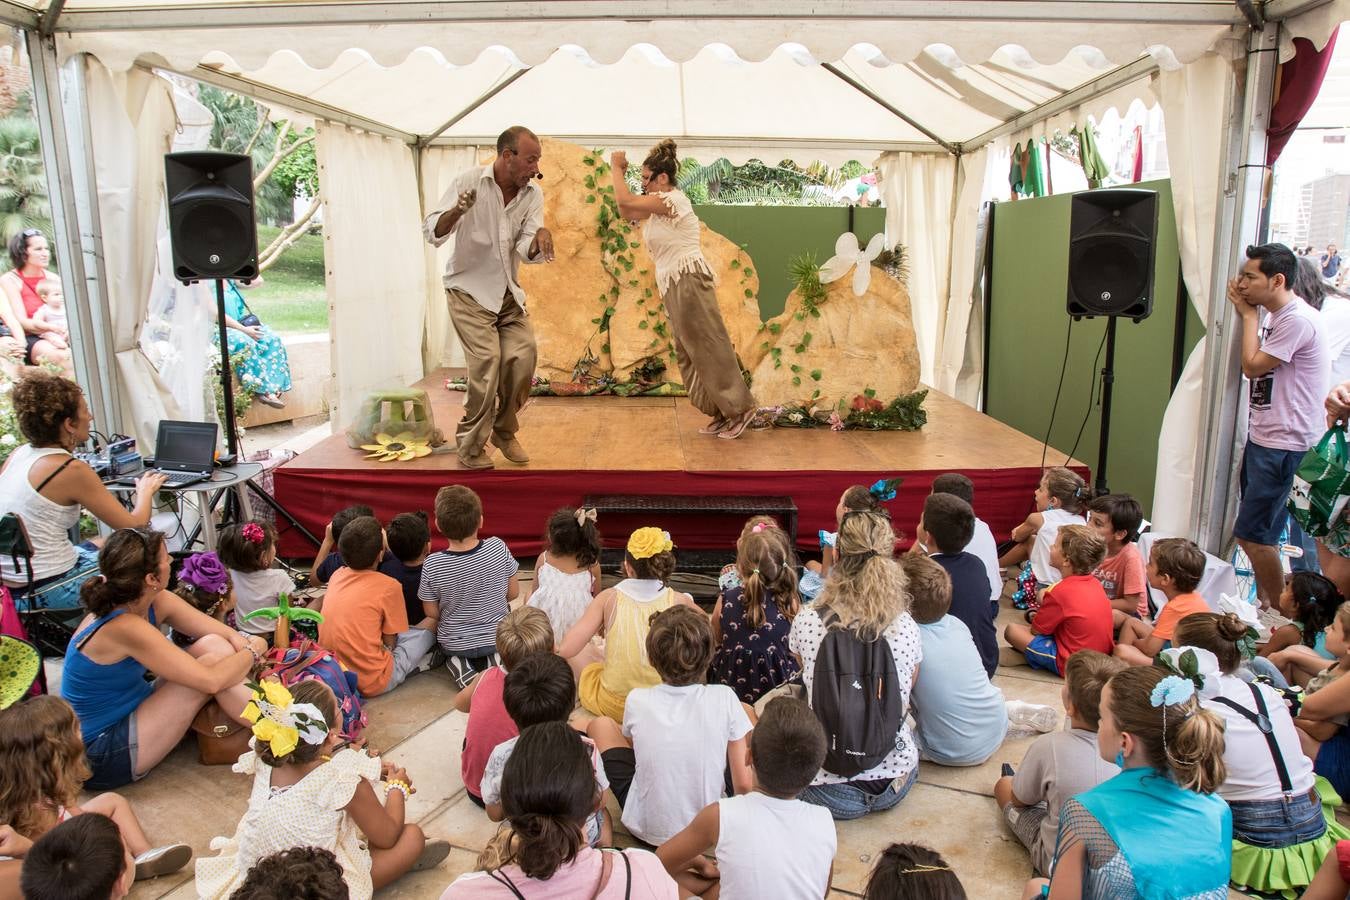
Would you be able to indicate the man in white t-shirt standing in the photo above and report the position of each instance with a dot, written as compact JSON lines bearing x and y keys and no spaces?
{"x":496,"y":213}
{"x":1286,"y":359}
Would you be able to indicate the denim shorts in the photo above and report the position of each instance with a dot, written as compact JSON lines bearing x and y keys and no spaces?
{"x":848,"y":801}
{"x":1265,"y":480}
{"x":112,"y":756}
{"x":1280,"y":823}
{"x":60,"y":591}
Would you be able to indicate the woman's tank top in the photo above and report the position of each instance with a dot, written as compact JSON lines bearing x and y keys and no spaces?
{"x":48,"y":523}
{"x":626,"y":663}
{"x":31,"y":301}
{"x":102,"y":695}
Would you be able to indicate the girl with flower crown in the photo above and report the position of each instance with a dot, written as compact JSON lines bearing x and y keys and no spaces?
{"x":309,"y":793}
{"x":205,"y":584}
{"x":622,"y":616}
{"x":248,"y":552}
{"x":1158,"y":829}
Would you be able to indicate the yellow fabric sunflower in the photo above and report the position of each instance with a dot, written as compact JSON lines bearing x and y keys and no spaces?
{"x":399,"y":448}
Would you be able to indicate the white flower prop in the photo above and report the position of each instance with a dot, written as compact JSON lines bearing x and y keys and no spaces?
{"x":847,"y":255}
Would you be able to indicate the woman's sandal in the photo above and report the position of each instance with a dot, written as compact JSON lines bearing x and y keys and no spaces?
{"x":738,"y":425}
{"x":716,"y":426}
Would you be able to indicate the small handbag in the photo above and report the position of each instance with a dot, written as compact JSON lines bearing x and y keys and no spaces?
{"x":250,"y":320}
{"x":221,"y":739}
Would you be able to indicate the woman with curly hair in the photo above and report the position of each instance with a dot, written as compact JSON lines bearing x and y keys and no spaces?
{"x":47,"y":487}
{"x":42,"y":771}
{"x":708,"y":364}
{"x":867,"y":594}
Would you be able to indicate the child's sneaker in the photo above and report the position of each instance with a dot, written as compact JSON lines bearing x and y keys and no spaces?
{"x":460,"y":671}
{"x":1032,"y":716}
{"x":433,"y":853}
{"x":162,"y":861}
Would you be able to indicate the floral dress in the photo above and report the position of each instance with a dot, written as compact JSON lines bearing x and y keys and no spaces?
{"x":752,"y":662}
{"x":263,"y":368}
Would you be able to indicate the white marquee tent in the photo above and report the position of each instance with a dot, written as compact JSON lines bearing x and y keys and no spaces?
{"x":402,"y":93}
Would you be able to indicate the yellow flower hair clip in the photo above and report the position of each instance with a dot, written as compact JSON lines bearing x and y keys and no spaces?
{"x":647,"y":542}
{"x":280,"y":722}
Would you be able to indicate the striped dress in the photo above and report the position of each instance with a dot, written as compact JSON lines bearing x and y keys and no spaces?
{"x":469,"y":590}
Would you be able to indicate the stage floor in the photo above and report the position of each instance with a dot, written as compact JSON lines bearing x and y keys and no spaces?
{"x":651,"y":445}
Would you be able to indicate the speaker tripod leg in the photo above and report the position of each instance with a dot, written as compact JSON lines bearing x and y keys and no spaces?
{"x":1108,"y":381}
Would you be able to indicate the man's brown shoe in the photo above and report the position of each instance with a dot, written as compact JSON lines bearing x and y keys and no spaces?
{"x":512,"y":450}
{"x":480,"y":460}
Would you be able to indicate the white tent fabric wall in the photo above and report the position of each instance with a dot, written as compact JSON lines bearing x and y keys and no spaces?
{"x":1196,"y":108}
{"x":439,"y":167}
{"x":917,"y":189}
{"x":132,"y":122}
{"x":377,"y":282}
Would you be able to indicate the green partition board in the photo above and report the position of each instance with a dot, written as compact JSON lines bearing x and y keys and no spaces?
{"x":774,"y":235}
{"x":1027,"y":328}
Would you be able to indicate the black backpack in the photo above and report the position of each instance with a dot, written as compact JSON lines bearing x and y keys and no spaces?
{"x":856,"y":696}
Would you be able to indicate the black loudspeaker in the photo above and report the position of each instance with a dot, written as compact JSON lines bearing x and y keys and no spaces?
{"x":211,"y":224}
{"x":1111,"y":245}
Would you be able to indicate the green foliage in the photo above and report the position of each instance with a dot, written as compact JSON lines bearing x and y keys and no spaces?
{"x":23,"y":184}
{"x":10,"y":436}
{"x":241,"y":126}
{"x":242,"y":398}
{"x":804,"y":273}
{"x":298,"y":174}
{"x":758,"y":184}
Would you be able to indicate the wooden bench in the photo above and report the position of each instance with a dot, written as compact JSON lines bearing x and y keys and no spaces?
{"x":742,"y":506}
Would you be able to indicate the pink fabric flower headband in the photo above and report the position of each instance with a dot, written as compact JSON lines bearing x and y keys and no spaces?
{"x":253,"y":533}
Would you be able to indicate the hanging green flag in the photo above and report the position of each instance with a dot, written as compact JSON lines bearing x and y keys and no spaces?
{"x":1035,"y":177}
{"x":1094,"y":167}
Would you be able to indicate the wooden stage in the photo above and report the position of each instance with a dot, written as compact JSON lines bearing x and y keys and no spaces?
{"x":651,"y":445}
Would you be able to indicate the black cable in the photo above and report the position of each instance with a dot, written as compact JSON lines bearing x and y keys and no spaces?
{"x":1054,"y":407}
{"x":1092,"y":389}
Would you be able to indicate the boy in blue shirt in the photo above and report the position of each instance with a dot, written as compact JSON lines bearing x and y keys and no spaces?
{"x":947,"y":525}
{"x":960,"y":716}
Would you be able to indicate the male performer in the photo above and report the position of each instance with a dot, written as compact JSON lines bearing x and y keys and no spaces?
{"x":497,"y":216}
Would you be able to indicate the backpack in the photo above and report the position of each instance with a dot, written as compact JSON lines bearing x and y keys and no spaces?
{"x":310,"y":661}
{"x":856,"y":696}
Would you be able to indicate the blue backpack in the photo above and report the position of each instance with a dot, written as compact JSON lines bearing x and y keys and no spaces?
{"x":307,"y":662}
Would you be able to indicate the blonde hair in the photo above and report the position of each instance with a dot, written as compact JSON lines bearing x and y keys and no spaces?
{"x":523,"y":631}
{"x":1180,"y":738}
{"x":1086,"y":673}
{"x":49,"y":286}
{"x":42,"y":765}
{"x":1343,"y":616}
{"x":767,"y":570}
{"x":1065,"y":486}
{"x":1082,"y":547}
{"x":866,"y":589}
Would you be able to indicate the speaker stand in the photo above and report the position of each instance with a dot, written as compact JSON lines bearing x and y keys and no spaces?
{"x":226,"y":374}
{"x":1108,"y":381}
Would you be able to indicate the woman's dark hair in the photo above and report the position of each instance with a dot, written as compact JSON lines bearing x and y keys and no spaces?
{"x":242,"y":552}
{"x":663,"y":160}
{"x":913,"y":872}
{"x":301,"y":873}
{"x":548,"y":792}
{"x":1317,"y":599}
{"x":42,"y":404}
{"x":321,"y":695}
{"x":568,"y":538}
{"x":126,"y":558}
{"x":18,"y":246}
{"x":82,"y":858}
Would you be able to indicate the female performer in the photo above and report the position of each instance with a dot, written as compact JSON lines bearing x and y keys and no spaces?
{"x":707,"y":361}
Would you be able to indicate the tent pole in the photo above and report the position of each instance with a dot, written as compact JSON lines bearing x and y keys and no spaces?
{"x":1238,"y":224}
{"x":889,"y":107}
{"x":63,"y":125}
{"x":483,"y":98}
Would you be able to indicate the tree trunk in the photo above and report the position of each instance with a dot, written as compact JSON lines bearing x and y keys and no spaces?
{"x":289,"y":235}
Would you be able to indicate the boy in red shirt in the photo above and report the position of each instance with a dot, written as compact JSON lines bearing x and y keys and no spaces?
{"x":1075,"y":614}
{"x":365,"y":623}
{"x":1116,"y":519}
{"x":1175,"y":568}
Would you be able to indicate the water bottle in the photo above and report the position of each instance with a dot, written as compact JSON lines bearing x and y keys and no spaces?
{"x":1032,"y":716}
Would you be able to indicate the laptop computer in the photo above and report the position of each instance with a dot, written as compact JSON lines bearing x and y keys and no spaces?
{"x":184,"y":453}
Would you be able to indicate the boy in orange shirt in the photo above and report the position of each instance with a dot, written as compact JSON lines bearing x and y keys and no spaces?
{"x":365,"y":623}
{"x":1175,"y":568}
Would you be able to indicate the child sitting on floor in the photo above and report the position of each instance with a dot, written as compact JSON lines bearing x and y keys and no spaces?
{"x":468,"y":586}
{"x":1174,"y":567}
{"x":678,"y":737}
{"x":43,"y":774}
{"x":524,"y":632}
{"x":982,"y":543}
{"x":947,"y":525}
{"x":1299,"y":649}
{"x":364,"y":621}
{"x":248,"y":552}
{"x":205,"y":584}
{"x":856,"y":498}
{"x":408,"y":538}
{"x":809,"y":582}
{"x":328,"y":560}
{"x":913,"y":872}
{"x":1319,"y":720}
{"x":81,"y":859}
{"x":622,"y":615}
{"x":541,"y":689}
{"x":751,"y":621}
{"x":960,"y":715}
{"x":567,"y":574}
{"x":1059,"y":502}
{"x":1116,"y":519}
{"x":768,"y":843}
{"x":308,"y":793}
{"x":1075,"y":614}
{"x":1060,"y":764}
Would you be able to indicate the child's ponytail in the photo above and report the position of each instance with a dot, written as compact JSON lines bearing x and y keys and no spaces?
{"x":548,"y":792}
{"x":1065,"y":486}
{"x":1317,"y":599}
{"x":766,"y":571}
{"x":1163,"y":714}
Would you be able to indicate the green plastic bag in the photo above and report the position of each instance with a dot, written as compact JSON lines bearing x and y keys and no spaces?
{"x":1322,"y":484}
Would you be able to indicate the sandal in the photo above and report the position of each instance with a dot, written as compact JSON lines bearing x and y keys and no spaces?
{"x":433,"y":853}
{"x":716,"y":426}
{"x":738,"y":425}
